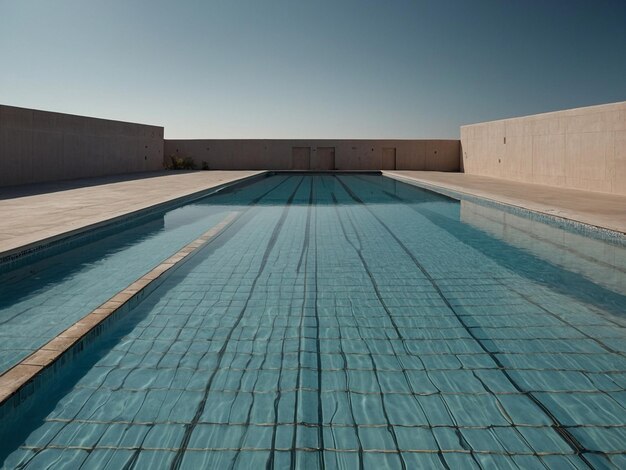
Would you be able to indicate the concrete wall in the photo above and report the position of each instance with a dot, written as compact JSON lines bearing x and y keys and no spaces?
{"x":438,"y":155}
{"x":583,"y":148}
{"x":38,"y":146}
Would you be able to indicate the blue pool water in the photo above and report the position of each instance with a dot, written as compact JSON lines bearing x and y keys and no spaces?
{"x":343,"y":321}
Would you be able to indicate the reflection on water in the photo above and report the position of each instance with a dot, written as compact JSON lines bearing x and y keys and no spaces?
{"x":599,"y":261}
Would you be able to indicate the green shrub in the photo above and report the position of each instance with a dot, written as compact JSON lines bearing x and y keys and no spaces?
{"x":188,"y":164}
{"x":181,"y":163}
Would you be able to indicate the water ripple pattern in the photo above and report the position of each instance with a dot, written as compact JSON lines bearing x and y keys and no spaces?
{"x":352,"y":321}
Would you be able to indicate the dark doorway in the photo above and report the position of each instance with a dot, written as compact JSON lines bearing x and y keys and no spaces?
{"x":389,"y":159}
{"x":325,"y":159}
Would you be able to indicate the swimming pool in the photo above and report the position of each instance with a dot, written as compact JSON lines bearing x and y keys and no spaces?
{"x":343,"y":321}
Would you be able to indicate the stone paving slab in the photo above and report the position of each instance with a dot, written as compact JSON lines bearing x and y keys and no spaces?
{"x":32,"y":214}
{"x":601,"y":210}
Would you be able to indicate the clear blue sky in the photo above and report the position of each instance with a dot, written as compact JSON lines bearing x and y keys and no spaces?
{"x":314,"y":68}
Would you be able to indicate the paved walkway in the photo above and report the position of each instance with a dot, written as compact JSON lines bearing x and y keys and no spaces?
{"x":31,"y":214}
{"x":602,"y":210}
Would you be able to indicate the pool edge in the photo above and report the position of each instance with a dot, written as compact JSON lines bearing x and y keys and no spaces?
{"x":578,"y":226}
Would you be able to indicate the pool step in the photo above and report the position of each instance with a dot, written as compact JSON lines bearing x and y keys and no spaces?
{"x":23,"y":379}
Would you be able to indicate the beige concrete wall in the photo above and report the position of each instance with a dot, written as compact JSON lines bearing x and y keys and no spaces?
{"x":583,"y":148}
{"x":38,"y":146}
{"x":256,"y":154}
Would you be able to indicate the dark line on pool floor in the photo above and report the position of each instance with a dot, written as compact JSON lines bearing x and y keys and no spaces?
{"x":320,"y":410}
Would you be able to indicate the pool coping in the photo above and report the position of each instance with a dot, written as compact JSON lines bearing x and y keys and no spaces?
{"x":30,"y":374}
{"x":8,"y":257}
{"x":582,"y":228}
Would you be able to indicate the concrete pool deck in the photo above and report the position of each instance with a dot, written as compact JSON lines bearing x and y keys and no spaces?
{"x":32,"y":214}
{"x":599,"y":209}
